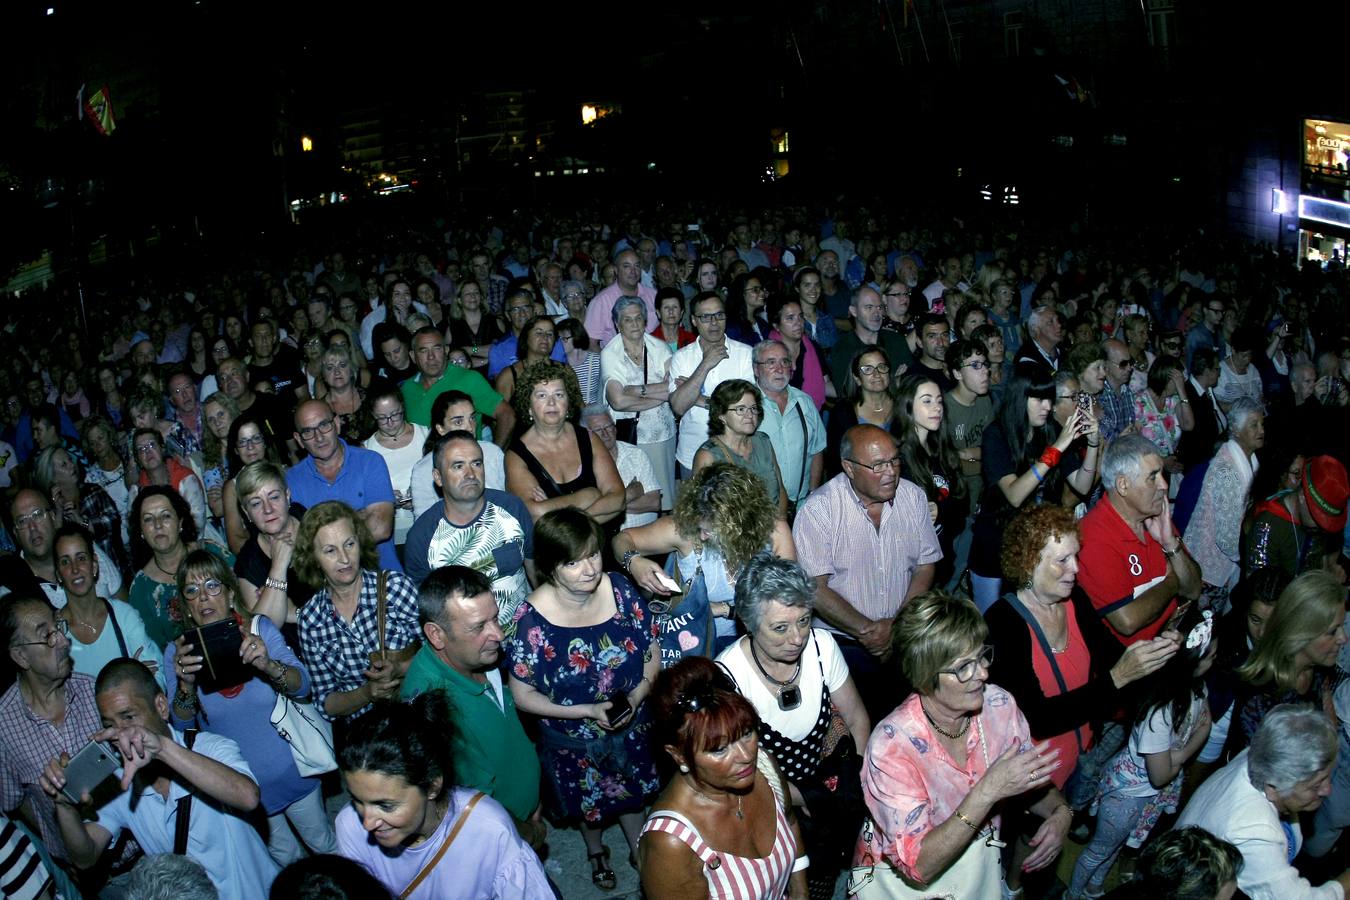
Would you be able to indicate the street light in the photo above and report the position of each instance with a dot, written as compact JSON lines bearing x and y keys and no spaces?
{"x":306,"y":143}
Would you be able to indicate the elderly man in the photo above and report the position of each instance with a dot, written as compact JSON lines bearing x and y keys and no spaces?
{"x":186,"y":410}
{"x":599,"y":322}
{"x":336,"y":470}
{"x":642,"y":489}
{"x":697,"y":369}
{"x":32,"y":521}
{"x":434,"y":378}
{"x":233,"y":378}
{"x":1116,"y":399}
{"x":868,"y":310}
{"x":1045,"y":332}
{"x":791,"y":421}
{"x":489,"y":531}
{"x":949,"y":280}
{"x":867,"y":539}
{"x":550,"y":288}
{"x":1133,"y":565}
{"x":164,"y":777}
{"x":48,"y":711}
{"x":459,"y":654}
{"x":835,"y":296}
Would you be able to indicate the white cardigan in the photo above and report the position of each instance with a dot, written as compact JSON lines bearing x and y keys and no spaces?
{"x":1227,"y":806}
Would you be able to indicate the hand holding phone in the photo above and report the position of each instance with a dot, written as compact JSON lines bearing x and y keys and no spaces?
{"x":90,"y":767}
{"x":620,"y":710}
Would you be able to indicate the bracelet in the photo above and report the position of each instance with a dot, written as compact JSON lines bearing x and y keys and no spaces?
{"x":1033,"y":471}
{"x":273,"y":583}
{"x":279,"y":680}
{"x":801,"y":862}
{"x":973,"y":827}
{"x":189,"y":703}
{"x":1051,"y":457}
{"x":628,"y":558}
{"x":1094,"y":446}
{"x":1174,"y":551}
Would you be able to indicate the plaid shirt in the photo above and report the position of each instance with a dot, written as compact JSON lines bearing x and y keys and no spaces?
{"x":28,"y":742}
{"x":104,"y":519}
{"x":1117,"y":411}
{"x":338,"y":652}
{"x":496,"y":293}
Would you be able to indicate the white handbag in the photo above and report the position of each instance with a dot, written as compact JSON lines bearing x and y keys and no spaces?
{"x":309,"y":735}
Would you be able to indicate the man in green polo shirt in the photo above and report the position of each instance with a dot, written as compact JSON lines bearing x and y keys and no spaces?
{"x":434,"y":378}
{"x":463,"y":645}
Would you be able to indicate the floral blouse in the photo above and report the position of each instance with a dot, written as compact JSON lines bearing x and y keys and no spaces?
{"x":1162,"y":428}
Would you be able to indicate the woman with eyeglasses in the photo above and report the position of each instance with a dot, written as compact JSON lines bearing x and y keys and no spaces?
{"x":312,"y":362}
{"x":157,"y":466}
{"x":399,"y":442}
{"x":583,"y":657}
{"x":207,"y":594}
{"x":724,"y":827}
{"x":870,"y":393}
{"x":162,"y":535}
{"x":938,"y":770}
{"x":734,"y":414}
{"x":249,"y":440}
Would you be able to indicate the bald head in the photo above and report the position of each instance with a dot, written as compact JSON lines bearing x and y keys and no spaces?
{"x":1117,"y":354}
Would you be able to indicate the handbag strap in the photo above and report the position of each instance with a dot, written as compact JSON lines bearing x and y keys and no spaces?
{"x":117,"y":629}
{"x":183,"y":820}
{"x":1041,"y":639}
{"x":445,"y":845}
{"x":806,"y":449}
{"x":381,"y":604}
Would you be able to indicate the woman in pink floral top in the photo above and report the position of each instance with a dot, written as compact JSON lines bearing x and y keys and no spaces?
{"x":1162,"y":412}
{"x":937,"y":768}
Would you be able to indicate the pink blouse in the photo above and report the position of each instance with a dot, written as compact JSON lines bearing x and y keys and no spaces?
{"x":1162,"y":428}
{"x":813,"y":375}
{"x":912,"y":785}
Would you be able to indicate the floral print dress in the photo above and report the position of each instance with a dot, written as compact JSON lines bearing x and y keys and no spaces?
{"x":595,"y":774}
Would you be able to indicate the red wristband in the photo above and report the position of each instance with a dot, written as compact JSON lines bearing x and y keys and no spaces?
{"x":1051,"y":456}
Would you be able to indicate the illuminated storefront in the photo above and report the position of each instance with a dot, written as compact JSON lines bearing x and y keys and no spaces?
{"x":1323,"y":206}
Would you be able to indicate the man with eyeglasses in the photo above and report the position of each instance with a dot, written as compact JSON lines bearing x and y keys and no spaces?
{"x":32,"y":521}
{"x":697,"y":369}
{"x":435,"y":378}
{"x":791,"y":421}
{"x":969,"y":410}
{"x":642,"y":489}
{"x":520,"y":309}
{"x":1116,"y":399}
{"x":336,"y":470}
{"x":48,"y":711}
{"x":599,"y":319}
{"x":868,"y":311}
{"x":867,"y":539}
{"x":186,"y":409}
{"x":1208,"y":332}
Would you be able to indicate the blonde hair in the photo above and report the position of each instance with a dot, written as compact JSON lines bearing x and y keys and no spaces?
{"x":1303,"y":613}
{"x":930,"y":631}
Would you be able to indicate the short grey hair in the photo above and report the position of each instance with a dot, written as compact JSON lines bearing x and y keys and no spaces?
{"x":1293,"y":743}
{"x":169,"y":876}
{"x":765,"y":344}
{"x":767,"y":578}
{"x":571,"y":284}
{"x":596,"y":409}
{"x":623,"y":303}
{"x":1125,"y":457}
{"x":1241,"y":412}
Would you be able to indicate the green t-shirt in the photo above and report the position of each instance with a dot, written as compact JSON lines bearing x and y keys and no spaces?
{"x":492,"y":753}
{"x":418,"y":400}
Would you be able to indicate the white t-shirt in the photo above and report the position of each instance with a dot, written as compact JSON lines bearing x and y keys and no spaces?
{"x":400,"y":463}
{"x":793,"y":724}
{"x":632,"y":464}
{"x":694,"y":423}
{"x":1155,"y":735}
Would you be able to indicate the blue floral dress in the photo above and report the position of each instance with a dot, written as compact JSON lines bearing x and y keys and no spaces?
{"x":595,"y":774}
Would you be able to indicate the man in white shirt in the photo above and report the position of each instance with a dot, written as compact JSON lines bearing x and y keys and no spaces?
{"x":642,"y":489}
{"x":698,"y":368}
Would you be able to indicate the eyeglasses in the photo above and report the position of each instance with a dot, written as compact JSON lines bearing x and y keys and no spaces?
{"x":572,"y":296}
{"x":756,"y":290}
{"x":34,"y":516}
{"x":516,"y":309}
{"x":976,"y":366}
{"x":255,"y":441}
{"x":881,"y":368}
{"x":966,"y":671}
{"x":324,"y":427}
{"x":389,"y":419}
{"x":147,"y":447}
{"x":744,"y":410}
{"x":886,"y":465}
{"x":776,"y":363}
{"x":1124,"y":364}
{"x":709,"y":318}
{"x":897,"y":293}
{"x":210,"y":585}
{"x":60,"y":630}
{"x":1216,"y":309}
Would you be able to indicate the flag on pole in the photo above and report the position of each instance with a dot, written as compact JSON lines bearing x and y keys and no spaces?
{"x":99,"y":110}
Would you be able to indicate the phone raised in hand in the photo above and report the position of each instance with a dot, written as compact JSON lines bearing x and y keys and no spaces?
{"x":94,"y":764}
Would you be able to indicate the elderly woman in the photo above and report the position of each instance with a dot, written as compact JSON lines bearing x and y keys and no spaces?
{"x":1161,"y":411}
{"x":160,"y":468}
{"x":533,"y":344}
{"x":937,"y":769}
{"x":724,"y":827}
{"x":1295,"y":659}
{"x":670,"y":319}
{"x":798,"y":682}
{"x":1238,"y":376}
{"x":249,"y":440}
{"x":721,"y":520}
{"x":574,"y":299}
{"x":1185,"y":864}
{"x":162,"y":535}
{"x":634,"y":369}
{"x":406,"y":807}
{"x":359,"y":631}
{"x":595,"y":731}
{"x":341,"y":386}
{"x":1214,"y":533}
{"x":576,"y":344}
{"x":734,"y":414}
{"x":209,"y":594}
{"x":1256,"y":800}
{"x":555,"y":463}
{"x":269,"y":585}
{"x":399,"y":442}
{"x":60,"y":476}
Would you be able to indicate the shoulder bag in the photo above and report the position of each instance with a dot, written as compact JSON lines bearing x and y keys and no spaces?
{"x":308,"y":734}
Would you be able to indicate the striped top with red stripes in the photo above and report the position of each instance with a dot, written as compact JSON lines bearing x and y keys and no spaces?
{"x":736,"y":877}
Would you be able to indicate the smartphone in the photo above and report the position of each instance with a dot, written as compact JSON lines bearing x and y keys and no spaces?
{"x":692,"y":227}
{"x":1084,"y":401}
{"x":89,"y":768}
{"x":621,"y":710}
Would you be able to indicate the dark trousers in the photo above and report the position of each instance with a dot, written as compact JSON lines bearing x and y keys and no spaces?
{"x":879,"y":682}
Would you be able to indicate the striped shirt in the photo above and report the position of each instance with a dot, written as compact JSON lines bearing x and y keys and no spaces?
{"x":22,"y":873}
{"x":736,"y":877}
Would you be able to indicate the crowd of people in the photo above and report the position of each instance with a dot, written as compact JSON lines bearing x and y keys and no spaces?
{"x":811,"y":550}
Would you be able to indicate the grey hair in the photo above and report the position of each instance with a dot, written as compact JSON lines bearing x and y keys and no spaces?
{"x":1124,"y":457}
{"x":767,"y":578}
{"x":168,"y":876}
{"x":1293,"y":743}
{"x":1064,"y":376}
{"x":623,"y":303}
{"x":1241,"y":412}
{"x":596,"y":409}
{"x":1038,"y":317}
{"x":571,"y":284}
{"x":770,"y":342}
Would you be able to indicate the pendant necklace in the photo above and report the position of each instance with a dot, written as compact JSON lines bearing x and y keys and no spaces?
{"x":789,"y":695}
{"x":740,"y":801}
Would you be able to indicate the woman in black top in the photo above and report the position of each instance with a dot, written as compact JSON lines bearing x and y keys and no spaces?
{"x":929,"y":460}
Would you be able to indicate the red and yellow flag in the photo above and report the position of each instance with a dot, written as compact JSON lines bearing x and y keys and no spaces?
{"x":98,"y":107}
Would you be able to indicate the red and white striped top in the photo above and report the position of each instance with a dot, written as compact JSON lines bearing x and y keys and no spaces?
{"x":736,"y":877}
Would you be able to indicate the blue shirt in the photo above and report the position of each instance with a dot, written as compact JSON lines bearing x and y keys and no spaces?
{"x":503,"y":353}
{"x":222,"y":839}
{"x":362,"y":481}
